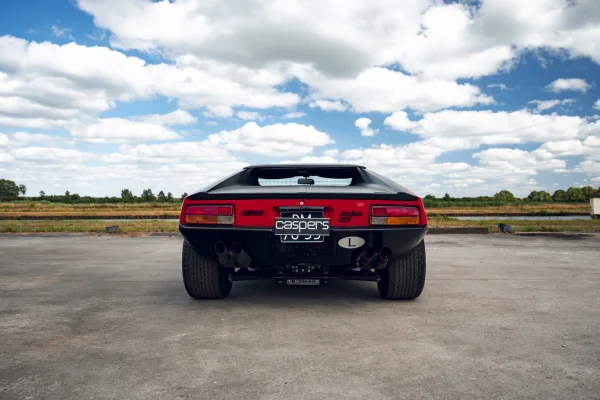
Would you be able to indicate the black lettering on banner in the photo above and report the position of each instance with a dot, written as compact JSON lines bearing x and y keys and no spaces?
{"x":252,"y":213}
{"x":346,"y":216}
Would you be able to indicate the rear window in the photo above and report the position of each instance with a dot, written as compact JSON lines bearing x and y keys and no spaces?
{"x":319,"y":181}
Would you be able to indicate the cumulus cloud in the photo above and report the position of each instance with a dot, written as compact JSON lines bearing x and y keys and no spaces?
{"x":435,"y":39}
{"x":597,"y":104}
{"x":166,"y":153}
{"x":571,"y":84}
{"x":328,"y":105}
{"x":542,"y":105}
{"x":363,"y":125}
{"x":488,"y":127}
{"x":47,"y":155}
{"x":277,"y":140}
{"x":293,"y":115}
{"x":400,"y":121}
{"x":249,"y":115}
{"x":177,"y":117}
{"x":384,"y":90}
{"x":120,"y":130}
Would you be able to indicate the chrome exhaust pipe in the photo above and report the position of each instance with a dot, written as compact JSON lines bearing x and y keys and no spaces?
{"x":223,"y":255}
{"x":241,"y":259}
{"x":365,"y":257}
{"x":382,"y":258}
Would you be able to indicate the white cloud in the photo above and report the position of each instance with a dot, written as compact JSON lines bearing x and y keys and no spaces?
{"x":277,"y":140}
{"x":383,"y":90}
{"x":293,"y":115}
{"x":542,"y":105}
{"x":432,"y":38}
{"x":249,"y":115}
{"x":167,"y":153}
{"x":487,"y":127}
{"x":61,"y":32}
{"x":520,"y":161}
{"x":363,"y":125}
{"x":571,"y":84}
{"x":177,"y":117}
{"x":328,"y":105}
{"x":74,"y":80}
{"x":120,"y":130}
{"x":48,"y":155}
{"x":220,"y":111}
{"x":597,"y":104}
{"x":4,"y":141}
{"x":400,"y":121}
{"x":500,"y":86}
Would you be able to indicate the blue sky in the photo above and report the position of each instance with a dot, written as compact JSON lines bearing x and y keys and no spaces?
{"x":465,"y":98}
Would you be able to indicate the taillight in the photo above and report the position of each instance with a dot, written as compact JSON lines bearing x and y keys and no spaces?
{"x":394,"y":215}
{"x":211,"y":214}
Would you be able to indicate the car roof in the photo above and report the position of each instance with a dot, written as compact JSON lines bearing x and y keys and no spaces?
{"x":307,"y":166}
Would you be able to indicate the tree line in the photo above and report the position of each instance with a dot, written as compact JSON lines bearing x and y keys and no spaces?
{"x":10,"y":191}
{"x":571,"y":195}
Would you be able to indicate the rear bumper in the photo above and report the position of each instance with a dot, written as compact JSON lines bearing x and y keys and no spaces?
{"x":266,"y":249}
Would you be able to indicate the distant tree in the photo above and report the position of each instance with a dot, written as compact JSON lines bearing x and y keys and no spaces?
{"x":597,"y":194}
{"x":446,"y":197}
{"x":42,"y":194}
{"x":504,"y":195}
{"x":75,"y":196}
{"x":8,"y":188}
{"x":587,"y":192}
{"x":169,"y":197}
{"x":22,"y":189}
{"x":184,"y":195}
{"x":575,"y":195}
{"x":147,"y":195}
{"x":67,"y":196}
{"x":161,"y":197}
{"x":430,"y":197}
{"x":126,"y":195}
{"x":541,"y":196}
{"x":559,"y":195}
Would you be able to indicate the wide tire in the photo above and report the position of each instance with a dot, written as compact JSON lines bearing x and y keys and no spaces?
{"x":404,"y":277}
{"x":203,"y":277}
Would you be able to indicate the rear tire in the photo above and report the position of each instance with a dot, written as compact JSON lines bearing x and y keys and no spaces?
{"x":404,"y":277}
{"x":203,"y":277}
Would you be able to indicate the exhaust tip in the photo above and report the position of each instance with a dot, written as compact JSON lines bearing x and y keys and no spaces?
{"x":386,"y":252}
{"x":220,"y":247}
{"x":369,"y":252}
{"x":237,"y":248}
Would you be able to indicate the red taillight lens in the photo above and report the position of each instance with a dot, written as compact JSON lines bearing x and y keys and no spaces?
{"x":394,"y":215}
{"x":222,"y":215}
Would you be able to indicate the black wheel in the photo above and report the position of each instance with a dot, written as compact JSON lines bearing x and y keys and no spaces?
{"x":203,"y":277}
{"x":404,"y":277}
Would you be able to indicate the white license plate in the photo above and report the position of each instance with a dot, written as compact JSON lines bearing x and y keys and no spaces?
{"x":303,"y":282}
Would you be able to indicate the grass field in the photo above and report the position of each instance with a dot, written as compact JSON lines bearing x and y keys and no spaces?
{"x":46,"y":209}
{"x":171,"y":226}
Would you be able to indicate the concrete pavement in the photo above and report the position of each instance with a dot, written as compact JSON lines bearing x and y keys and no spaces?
{"x":87,"y":317}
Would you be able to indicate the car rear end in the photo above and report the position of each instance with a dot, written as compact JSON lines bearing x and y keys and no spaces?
{"x":317,"y":232}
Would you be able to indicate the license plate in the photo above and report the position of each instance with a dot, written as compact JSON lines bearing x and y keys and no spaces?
{"x":302,"y":227}
{"x":303,"y":282}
